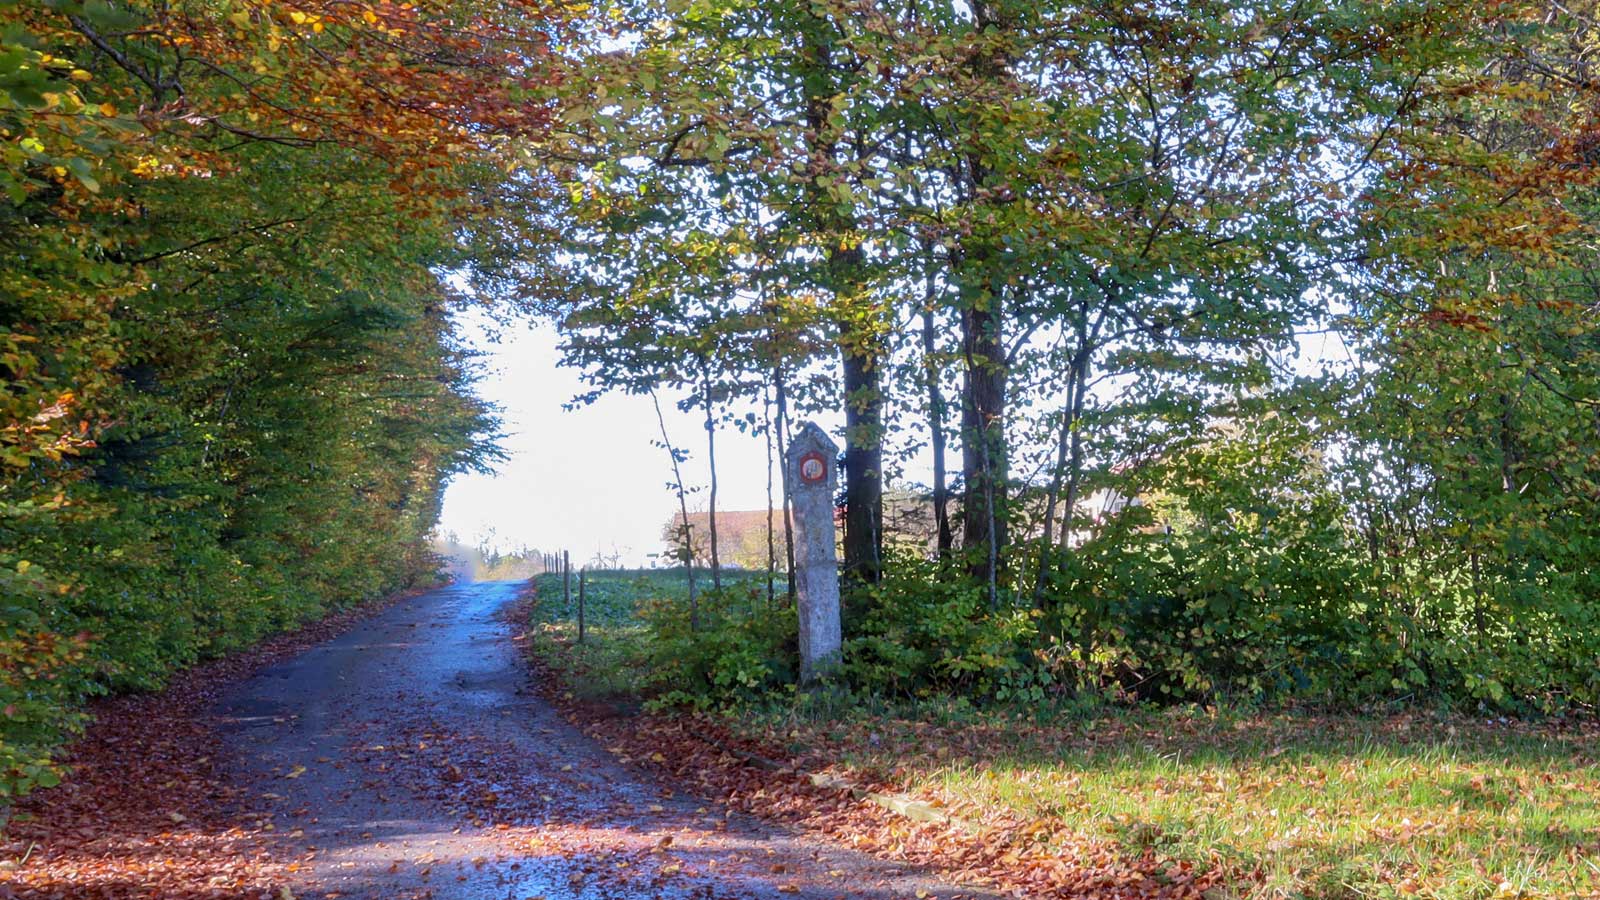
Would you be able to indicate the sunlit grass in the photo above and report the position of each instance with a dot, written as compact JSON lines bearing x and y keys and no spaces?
{"x":606,"y":664}
{"x":1290,"y":805}
{"x":611,"y":661}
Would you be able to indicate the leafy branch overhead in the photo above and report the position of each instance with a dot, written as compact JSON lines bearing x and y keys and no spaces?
{"x":1237,"y":348}
{"x":1184,"y":352}
{"x":232,"y":390}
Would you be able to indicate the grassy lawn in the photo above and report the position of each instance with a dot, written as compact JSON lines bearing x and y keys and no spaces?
{"x":1295,"y":805}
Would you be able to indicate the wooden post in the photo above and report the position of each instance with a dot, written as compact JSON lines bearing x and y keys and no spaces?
{"x":581,"y":580}
{"x":813,"y":479}
{"x":566,"y":580}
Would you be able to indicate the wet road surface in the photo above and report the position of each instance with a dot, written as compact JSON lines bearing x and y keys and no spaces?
{"x":409,"y":759}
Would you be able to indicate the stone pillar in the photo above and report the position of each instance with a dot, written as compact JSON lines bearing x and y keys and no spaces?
{"x":813,"y":480}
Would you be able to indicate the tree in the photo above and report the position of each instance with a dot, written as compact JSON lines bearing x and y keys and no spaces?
{"x":232,"y":393}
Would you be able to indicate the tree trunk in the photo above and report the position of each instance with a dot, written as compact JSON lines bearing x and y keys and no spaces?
{"x":1047,"y":540}
{"x":858,"y":316}
{"x":711,"y":460}
{"x":983,"y":450}
{"x":687,"y":546}
{"x":1080,"y":391}
{"x":782,"y":397}
{"x":863,"y":469}
{"x":936,"y":436}
{"x":1069,"y":462}
{"x":772,"y":549}
{"x":984,"y":460}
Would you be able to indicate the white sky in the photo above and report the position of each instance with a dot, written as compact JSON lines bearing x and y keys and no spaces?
{"x":588,"y":479}
{"x":591,"y":480}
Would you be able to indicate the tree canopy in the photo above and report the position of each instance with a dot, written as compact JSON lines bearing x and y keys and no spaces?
{"x":1303,"y":288}
{"x":1231,"y":349}
{"x":232,"y":393}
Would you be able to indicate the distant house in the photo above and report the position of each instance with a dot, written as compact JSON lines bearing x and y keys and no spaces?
{"x":742,"y":533}
{"x":741,"y":537}
{"x":1101,"y":506}
{"x":908,"y":522}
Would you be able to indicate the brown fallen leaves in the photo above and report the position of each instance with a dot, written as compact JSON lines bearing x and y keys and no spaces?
{"x":1029,"y":858}
{"x":146,"y":811}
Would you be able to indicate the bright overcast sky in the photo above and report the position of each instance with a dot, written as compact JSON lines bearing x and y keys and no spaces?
{"x":589,"y":479}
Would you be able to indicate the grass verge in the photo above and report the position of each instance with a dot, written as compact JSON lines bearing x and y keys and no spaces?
{"x":1283,"y":805}
{"x":1289,"y":804}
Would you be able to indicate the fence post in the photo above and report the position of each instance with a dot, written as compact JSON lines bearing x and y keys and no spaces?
{"x":566,"y":580}
{"x":581,"y":580}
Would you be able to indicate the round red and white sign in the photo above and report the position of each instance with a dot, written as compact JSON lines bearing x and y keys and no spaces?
{"x":813,"y":468}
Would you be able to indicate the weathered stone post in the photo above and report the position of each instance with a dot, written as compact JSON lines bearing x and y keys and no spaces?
{"x":813,"y":481}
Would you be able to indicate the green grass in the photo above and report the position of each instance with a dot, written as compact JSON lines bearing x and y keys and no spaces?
{"x":612,"y":660}
{"x":1290,"y":804}
{"x":1304,"y":806}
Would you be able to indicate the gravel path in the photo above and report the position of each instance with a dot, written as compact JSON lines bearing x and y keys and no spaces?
{"x":408,"y":758}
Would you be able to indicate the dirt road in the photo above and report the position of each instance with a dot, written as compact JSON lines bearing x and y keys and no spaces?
{"x":409,"y":758}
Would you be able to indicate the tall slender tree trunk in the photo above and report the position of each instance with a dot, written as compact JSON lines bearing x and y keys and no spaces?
{"x":984,"y":457}
{"x":1047,"y":540}
{"x":944,"y":538}
{"x":711,"y":460}
{"x":772,"y":548}
{"x":983,"y":445}
{"x":858,"y":315}
{"x":1075,"y":457}
{"x":687,"y":534}
{"x":1082,"y":362}
{"x":782,"y":398}
{"x":1069,"y":463}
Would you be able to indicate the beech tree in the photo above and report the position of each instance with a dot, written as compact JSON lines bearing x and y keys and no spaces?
{"x":232,"y":392}
{"x":1099,"y":243}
